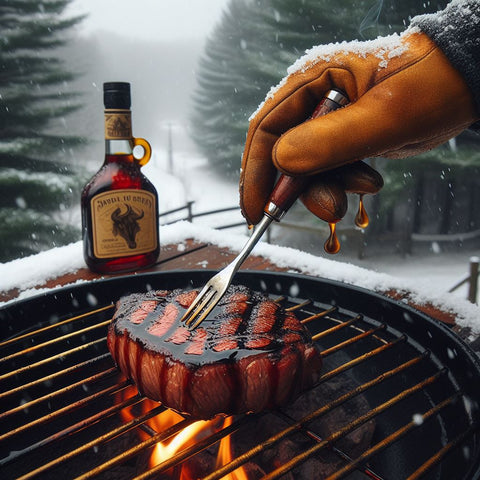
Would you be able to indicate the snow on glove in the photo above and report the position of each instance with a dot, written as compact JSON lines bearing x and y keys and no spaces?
{"x":405,"y":98}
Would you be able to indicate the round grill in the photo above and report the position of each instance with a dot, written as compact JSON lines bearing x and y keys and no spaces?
{"x":417,"y":381}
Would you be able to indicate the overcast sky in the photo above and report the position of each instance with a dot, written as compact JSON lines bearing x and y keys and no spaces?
{"x":150,"y":19}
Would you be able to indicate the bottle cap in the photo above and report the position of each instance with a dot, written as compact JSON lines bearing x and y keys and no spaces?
{"x":116,"y":95}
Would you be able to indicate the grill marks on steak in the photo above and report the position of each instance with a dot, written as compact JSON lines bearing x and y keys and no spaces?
{"x":249,"y":355}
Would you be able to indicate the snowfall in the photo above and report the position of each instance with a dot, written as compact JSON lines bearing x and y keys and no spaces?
{"x":422,"y":278}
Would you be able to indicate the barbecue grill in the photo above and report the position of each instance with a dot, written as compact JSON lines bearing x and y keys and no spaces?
{"x":410,"y":385}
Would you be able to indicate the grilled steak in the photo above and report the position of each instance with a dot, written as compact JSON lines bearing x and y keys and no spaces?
{"x":249,"y":355}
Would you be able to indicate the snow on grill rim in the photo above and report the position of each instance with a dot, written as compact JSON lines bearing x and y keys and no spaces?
{"x":337,"y":330}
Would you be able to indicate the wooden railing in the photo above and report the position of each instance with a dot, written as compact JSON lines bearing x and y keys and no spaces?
{"x":189,"y":215}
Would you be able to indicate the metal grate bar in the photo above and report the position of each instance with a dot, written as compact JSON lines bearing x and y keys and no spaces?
{"x":392,"y":438}
{"x":336,"y":328}
{"x":299,"y":306}
{"x":194,"y":449}
{"x":425,"y":467}
{"x":62,"y":411}
{"x":350,"y":341}
{"x":53,"y":376}
{"x":341,"y":323}
{"x":67,"y":431}
{"x":352,"y":426}
{"x":362,"y":358}
{"x":102,"y":439}
{"x":53,"y":358}
{"x":67,"y":336}
{"x":317,"y":315}
{"x":273,"y":440}
{"x":56,"y":393}
{"x":159,"y":437}
{"x":54,"y":325}
{"x":364,"y":469}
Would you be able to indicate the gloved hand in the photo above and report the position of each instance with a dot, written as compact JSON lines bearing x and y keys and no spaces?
{"x":405,"y":97}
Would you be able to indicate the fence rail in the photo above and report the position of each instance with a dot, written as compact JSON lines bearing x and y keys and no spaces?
{"x":190,"y":216}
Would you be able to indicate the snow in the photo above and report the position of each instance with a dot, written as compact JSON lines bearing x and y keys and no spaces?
{"x":52,"y":181}
{"x":423,"y":279}
{"x":383,"y":48}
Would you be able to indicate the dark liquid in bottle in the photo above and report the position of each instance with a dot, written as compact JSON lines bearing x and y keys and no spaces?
{"x":120,"y":182}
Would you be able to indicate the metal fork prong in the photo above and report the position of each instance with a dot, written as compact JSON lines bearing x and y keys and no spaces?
{"x":198,"y":305}
{"x":203,"y":314}
{"x":197,"y":300}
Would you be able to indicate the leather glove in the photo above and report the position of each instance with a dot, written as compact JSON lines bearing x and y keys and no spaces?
{"x":405,"y":98}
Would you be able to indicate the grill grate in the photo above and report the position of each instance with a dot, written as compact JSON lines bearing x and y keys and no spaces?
{"x":408,"y":383}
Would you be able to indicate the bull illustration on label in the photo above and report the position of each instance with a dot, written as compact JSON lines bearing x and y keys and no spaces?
{"x":126,"y":224}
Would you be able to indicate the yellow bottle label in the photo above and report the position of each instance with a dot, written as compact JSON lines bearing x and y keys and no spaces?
{"x":118,"y":124}
{"x":124,"y":223}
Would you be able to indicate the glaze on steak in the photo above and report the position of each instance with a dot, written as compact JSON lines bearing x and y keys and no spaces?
{"x":249,"y":355}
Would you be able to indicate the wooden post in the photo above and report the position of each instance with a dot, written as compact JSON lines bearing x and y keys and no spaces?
{"x":189,"y":211}
{"x":170,"y":149}
{"x":473,"y":282}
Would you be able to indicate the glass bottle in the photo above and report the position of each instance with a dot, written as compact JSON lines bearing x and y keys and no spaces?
{"x":119,"y":204}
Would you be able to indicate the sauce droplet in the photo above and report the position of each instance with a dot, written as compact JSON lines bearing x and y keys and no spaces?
{"x":361,"y":219}
{"x":332,"y":245}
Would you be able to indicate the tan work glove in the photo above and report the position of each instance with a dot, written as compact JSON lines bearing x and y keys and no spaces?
{"x":405,"y":97}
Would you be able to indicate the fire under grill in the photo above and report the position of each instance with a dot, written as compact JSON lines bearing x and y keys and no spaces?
{"x":398,"y":398}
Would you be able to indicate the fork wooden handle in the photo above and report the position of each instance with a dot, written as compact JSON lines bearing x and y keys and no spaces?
{"x":287,"y":188}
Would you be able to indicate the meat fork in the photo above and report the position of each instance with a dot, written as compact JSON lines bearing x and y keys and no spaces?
{"x":284,"y":194}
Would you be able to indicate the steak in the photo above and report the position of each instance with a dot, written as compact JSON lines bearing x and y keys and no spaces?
{"x":249,"y":355}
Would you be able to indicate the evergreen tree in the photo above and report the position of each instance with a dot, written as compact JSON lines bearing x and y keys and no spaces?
{"x":254,"y":43}
{"x":36,"y":177}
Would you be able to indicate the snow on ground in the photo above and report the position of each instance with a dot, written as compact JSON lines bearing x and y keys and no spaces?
{"x":437,"y":271}
{"x":427,"y":277}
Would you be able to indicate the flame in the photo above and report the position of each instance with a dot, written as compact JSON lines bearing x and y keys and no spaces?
{"x":191,"y":434}
{"x":225,"y":456}
{"x":188,"y":436}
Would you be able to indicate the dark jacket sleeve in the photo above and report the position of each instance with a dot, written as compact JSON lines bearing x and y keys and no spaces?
{"x":456,"y":30}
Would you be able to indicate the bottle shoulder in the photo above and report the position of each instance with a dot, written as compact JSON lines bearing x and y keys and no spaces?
{"x":117,"y":175}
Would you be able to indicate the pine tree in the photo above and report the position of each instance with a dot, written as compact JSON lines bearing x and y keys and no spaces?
{"x":37,"y":180}
{"x":251,"y":48}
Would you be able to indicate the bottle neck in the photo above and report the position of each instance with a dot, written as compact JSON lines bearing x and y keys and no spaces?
{"x":119,"y":147}
{"x":118,"y":131}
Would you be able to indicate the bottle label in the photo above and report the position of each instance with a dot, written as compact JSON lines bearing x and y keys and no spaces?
{"x":124,"y":223}
{"x":118,"y":124}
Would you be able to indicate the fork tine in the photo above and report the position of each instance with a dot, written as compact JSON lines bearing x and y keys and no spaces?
{"x":202,"y":314}
{"x":198,"y":304}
